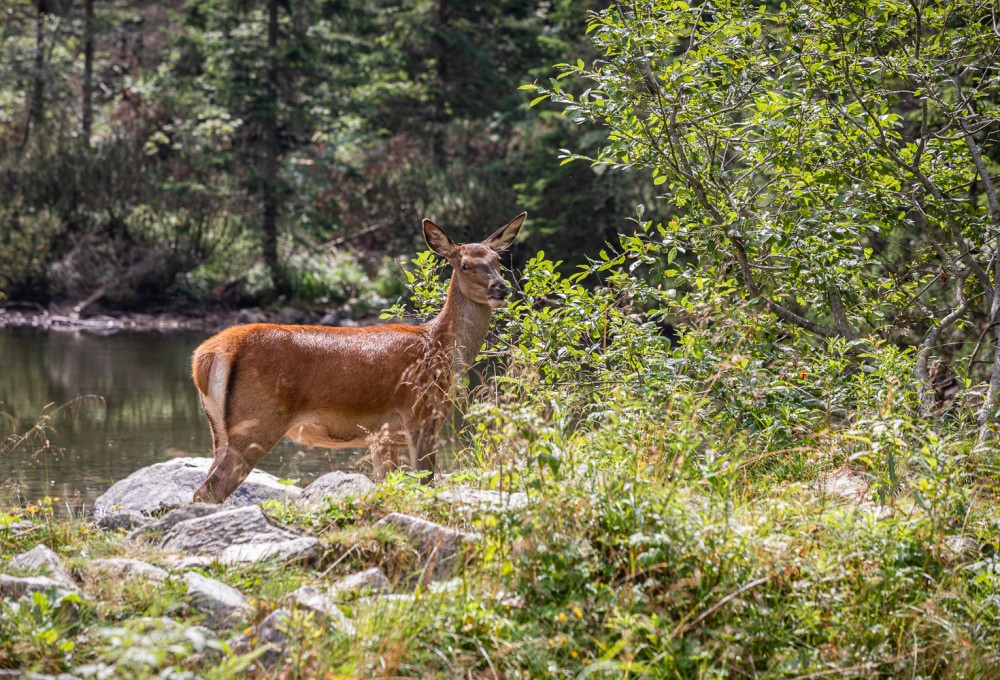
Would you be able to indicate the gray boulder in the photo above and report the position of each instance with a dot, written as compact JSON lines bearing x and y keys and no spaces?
{"x":959,"y":548}
{"x":368,"y":580}
{"x":238,"y":535}
{"x":186,"y":562}
{"x":121,"y":520}
{"x":272,"y":632}
{"x":42,"y":558}
{"x":847,"y":484}
{"x":437,"y":545}
{"x":126,"y":568}
{"x":479,"y":500}
{"x":304,"y":548}
{"x":219,"y":602}
{"x":172,"y":483}
{"x":335,"y":485}
{"x":176,"y":516}
{"x":291,"y":315}
{"x":15,"y":587}
{"x":310,"y":599}
{"x":251,"y":315}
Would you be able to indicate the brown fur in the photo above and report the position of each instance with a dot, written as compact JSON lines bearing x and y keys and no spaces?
{"x":386,"y":387}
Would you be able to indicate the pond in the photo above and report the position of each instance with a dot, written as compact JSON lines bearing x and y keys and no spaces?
{"x":106,"y":406}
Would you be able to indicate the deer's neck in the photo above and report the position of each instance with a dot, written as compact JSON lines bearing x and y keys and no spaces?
{"x":461,"y":326}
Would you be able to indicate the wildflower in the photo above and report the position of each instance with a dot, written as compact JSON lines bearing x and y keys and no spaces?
{"x":31,"y":509}
{"x":578,"y":612}
{"x":561,"y":617}
{"x":573,"y":654}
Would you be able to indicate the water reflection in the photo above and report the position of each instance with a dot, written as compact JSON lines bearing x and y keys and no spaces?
{"x":144,"y":410}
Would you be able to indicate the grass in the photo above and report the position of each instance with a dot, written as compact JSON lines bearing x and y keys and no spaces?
{"x":680,"y":562}
{"x":677,"y":526}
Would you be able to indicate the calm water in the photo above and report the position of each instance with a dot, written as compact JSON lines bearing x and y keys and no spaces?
{"x":116,"y":403}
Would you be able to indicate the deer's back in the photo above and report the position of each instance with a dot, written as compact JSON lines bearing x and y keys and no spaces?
{"x":316,"y":368}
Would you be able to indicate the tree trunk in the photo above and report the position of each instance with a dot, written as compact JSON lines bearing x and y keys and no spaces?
{"x":36,"y":109}
{"x":88,"y":72}
{"x":441,"y":115}
{"x":272,"y":151}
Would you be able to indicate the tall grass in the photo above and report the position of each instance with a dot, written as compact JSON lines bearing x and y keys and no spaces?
{"x":682,"y":519}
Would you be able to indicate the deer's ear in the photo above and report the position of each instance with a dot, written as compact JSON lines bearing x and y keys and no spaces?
{"x":438,"y":240}
{"x":502,"y":238}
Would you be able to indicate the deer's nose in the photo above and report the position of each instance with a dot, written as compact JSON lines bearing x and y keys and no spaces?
{"x":499,"y":289}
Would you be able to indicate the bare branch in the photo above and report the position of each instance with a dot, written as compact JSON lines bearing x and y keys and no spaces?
{"x":925,"y":388}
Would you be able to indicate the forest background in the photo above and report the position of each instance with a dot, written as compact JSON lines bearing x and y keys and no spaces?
{"x":190,"y":152}
{"x":802,"y":483}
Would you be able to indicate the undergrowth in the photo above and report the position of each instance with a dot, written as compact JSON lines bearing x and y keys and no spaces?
{"x":743,"y":503}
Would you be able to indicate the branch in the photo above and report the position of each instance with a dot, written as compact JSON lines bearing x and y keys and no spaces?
{"x":776,"y":308}
{"x":925,"y":387}
{"x":840,"y":321}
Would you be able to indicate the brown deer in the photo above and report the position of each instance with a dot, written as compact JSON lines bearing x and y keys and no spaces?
{"x":386,"y":387}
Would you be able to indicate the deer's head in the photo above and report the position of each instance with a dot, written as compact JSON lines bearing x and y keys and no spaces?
{"x":477,"y":265}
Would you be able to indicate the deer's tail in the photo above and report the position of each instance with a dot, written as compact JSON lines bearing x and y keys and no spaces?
{"x":210,"y":371}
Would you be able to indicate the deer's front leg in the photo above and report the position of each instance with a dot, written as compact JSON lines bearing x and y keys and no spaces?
{"x":422,"y":440}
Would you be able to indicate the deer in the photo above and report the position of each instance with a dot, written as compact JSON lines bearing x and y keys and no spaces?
{"x":386,"y":387}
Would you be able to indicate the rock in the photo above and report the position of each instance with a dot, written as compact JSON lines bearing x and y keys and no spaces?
{"x":172,"y":483}
{"x":15,"y":587}
{"x":121,"y":520}
{"x":368,"y":580}
{"x":847,"y":484}
{"x":389,"y":601}
{"x":142,"y":639}
{"x":960,"y":547}
{"x":330,"y":319}
{"x":436,"y":544}
{"x":450,"y":586}
{"x":291,"y":315}
{"x":126,"y":568}
{"x":272,"y":631}
{"x":287,"y":550}
{"x":176,"y":516}
{"x":42,"y":558}
{"x":219,"y":602}
{"x":251,"y":315}
{"x":335,"y":485}
{"x":310,"y":599}
{"x":473,"y":500}
{"x":238,"y":535}
{"x":185,"y":562}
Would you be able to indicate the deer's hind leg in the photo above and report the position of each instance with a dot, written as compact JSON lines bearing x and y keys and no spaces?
{"x":217,"y":430}
{"x":237,"y":456}
{"x":383,"y":447}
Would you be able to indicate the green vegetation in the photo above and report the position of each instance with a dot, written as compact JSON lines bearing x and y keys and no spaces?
{"x":794,"y":488}
{"x":190,"y":153}
{"x":677,"y":524}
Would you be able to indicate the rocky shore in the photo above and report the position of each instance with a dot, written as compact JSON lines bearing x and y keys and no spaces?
{"x":162,"y":540}
{"x":26,"y":315}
